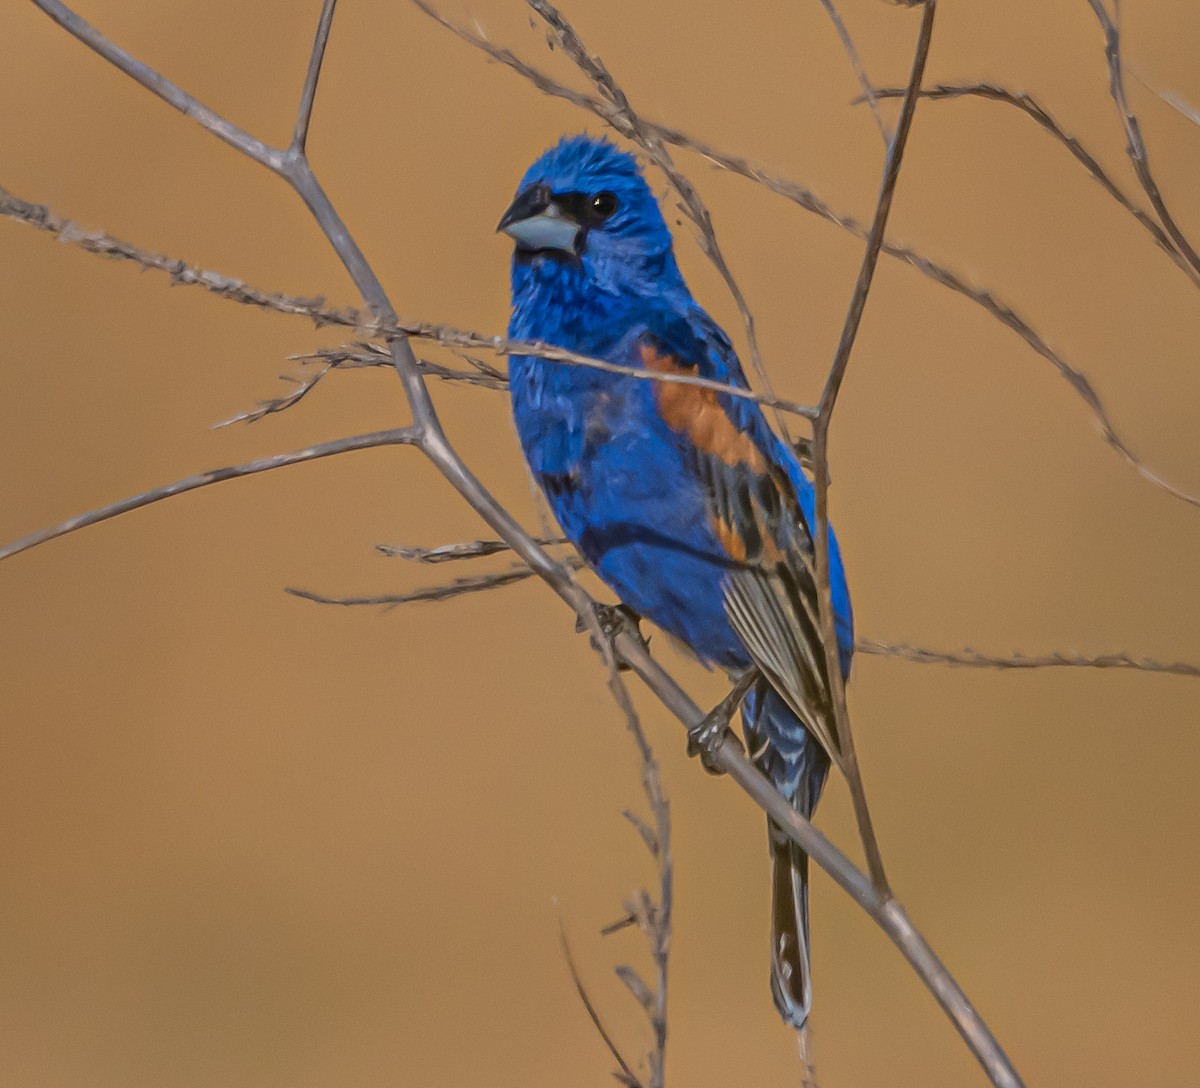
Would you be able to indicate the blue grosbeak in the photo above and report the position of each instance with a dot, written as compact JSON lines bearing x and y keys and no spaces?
{"x":681,"y":498}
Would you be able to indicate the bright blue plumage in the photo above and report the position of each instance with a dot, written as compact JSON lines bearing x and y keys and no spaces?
{"x":683,"y":500}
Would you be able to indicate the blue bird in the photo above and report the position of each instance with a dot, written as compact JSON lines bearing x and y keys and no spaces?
{"x":682,"y":499}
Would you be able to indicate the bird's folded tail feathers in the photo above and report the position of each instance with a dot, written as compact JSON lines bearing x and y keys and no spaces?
{"x":791,"y":977}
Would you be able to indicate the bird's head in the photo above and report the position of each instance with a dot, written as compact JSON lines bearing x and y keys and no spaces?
{"x":584,"y":204}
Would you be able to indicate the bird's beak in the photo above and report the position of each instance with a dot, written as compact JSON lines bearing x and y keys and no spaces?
{"x":535,"y":221}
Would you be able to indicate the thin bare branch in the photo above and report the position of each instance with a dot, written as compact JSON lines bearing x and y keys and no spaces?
{"x":1058,"y":659}
{"x":404,"y":436}
{"x":1027,"y":104}
{"x":265,"y":408}
{"x":847,"y":754}
{"x":459,"y":587}
{"x":291,"y":164}
{"x":308,"y":93}
{"x":360,"y":356}
{"x":270,"y":157}
{"x":1135,"y":145}
{"x":902,"y":651}
{"x":622,"y":116}
{"x":626,"y":1075}
{"x":654,"y":919}
{"x":449,"y":336}
{"x":860,"y":73}
{"x":181,"y":274}
{"x":365,"y":354}
{"x":467,"y":549}
{"x":919,"y":655}
{"x":1176,"y":101}
{"x":805,"y":198}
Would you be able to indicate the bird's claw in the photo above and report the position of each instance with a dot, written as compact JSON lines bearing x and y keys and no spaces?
{"x":614,"y":619}
{"x":705,"y":738}
{"x":713,"y":730}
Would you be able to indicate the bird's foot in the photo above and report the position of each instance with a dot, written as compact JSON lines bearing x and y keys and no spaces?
{"x":713,"y":729}
{"x":614,"y":620}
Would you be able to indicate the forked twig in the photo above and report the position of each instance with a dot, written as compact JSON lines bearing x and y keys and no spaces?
{"x":1135,"y":145}
{"x":1027,"y":104}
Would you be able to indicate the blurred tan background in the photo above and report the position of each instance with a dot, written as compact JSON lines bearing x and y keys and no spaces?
{"x":246,"y":840}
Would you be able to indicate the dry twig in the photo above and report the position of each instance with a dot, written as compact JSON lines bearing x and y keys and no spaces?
{"x":468,"y":549}
{"x":846,"y":754}
{"x":1135,"y":145}
{"x":1058,"y":659}
{"x":404,"y":436}
{"x":1027,"y":104}
{"x":967,"y":657}
{"x":625,"y":1073}
{"x":869,"y":94}
{"x":459,"y":587}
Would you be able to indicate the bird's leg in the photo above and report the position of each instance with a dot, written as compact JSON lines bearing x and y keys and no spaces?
{"x":615,"y":619}
{"x":704,"y":738}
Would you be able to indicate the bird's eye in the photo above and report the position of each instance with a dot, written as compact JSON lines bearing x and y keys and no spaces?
{"x":603,"y":205}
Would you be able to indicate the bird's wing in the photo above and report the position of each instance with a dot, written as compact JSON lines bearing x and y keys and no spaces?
{"x":770,"y":588}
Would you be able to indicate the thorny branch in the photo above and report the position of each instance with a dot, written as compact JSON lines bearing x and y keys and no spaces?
{"x":426,"y":433}
{"x":809,"y":201}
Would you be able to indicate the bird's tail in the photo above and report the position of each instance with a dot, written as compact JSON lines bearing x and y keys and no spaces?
{"x":791,"y":976}
{"x":788,"y":754}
